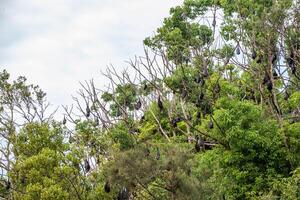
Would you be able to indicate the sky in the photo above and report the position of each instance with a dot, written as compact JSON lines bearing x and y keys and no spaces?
{"x":59,"y":43}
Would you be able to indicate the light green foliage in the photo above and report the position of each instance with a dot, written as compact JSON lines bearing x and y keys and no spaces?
{"x":42,"y":169}
{"x":120,"y":135}
{"x":34,"y":138}
{"x":295,"y":100}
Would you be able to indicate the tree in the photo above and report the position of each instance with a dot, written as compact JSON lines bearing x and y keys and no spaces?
{"x":20,"y":103}
{"x":212,"y":112}
{"x":232,"y":81}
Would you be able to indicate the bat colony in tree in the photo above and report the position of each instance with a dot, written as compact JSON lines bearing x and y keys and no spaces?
{"x":175,"y":91}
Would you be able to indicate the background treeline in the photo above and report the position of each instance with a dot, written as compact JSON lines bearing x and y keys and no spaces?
{"x":210,"y":111}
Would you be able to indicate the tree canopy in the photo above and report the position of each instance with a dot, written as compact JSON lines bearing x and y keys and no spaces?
{"x":211,"y":112}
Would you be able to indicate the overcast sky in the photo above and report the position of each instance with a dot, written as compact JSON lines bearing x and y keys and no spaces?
{"x":57,"y":43}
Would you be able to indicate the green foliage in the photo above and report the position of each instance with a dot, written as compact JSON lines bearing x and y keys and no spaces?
{"x":169,"y":174}
{"x":122,"y":100}
{"x":121,"y":136}
{"x":179,"y":36}
{"x":295,"y":100}
{"x":42,"y":169}
{"x":35,"y":137}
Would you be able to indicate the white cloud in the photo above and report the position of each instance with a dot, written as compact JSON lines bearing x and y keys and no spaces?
{"x":57,"y":43}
